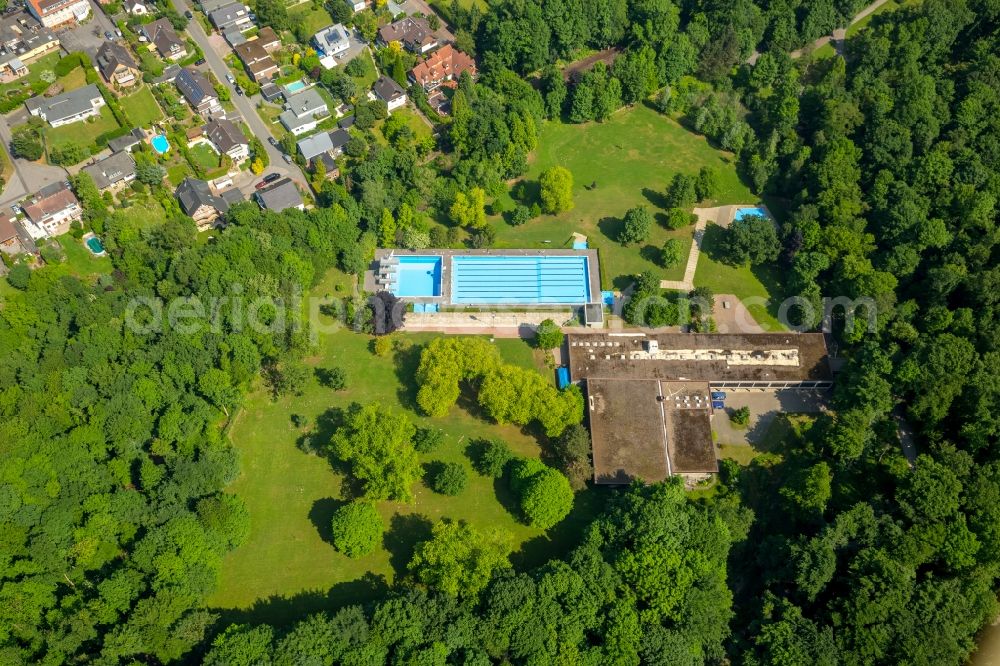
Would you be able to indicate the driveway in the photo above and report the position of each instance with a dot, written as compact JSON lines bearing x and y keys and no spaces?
{"x":765,"y":405}
{"x":244,"y":105}
{"x":89,"y":36}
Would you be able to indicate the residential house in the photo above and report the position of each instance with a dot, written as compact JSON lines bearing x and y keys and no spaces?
{"x":279,"y":195}
{"x":198,"y":92}
{"x":169,"y":75}
{"x":199,"y":203}
{"x":390,"y":92}
{"x":209,"y":6}
{"x":162,"y":35}
{"x":413,"y":32}
{"x":270,"y":92}
{"x":22,"y":39}
{"x":136,"y":7}
{"x":321,"y":143}
{"x":256,"y":60}
{"x":53,"y":208}
{"x":10,"y":243}
{"x":227,"y":139}
{"x":330,"y":43}
{"x":234,"y":37}
{"x":445,"y":64}
{"x":69,"y":107}
{"x":117,"y":66}
{"x":127,"y":142}
{"x":113,"y":172}
{"x":359,"y":5}
{"x":269,"y":39}
{"x":58,"y":12}
{"x":303,"y":111}
{"x":232,"y":15}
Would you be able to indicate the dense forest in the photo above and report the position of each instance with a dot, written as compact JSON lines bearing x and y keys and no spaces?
{"x":113,"y":519}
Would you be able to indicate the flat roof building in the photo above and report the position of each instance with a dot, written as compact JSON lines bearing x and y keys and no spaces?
{"x":649,"y":396}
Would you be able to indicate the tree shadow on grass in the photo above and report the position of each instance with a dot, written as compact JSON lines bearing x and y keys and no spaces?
{"x":657,"y":199}
{"x":283,"y":611}
{"x":407,"y":360}
{"x":405,"y":531}
{"x":651,"y":253}
{"x":712,"y":243}
{"x":611,"y":227}
{"x":562,"y":538}
{"x":321,"y":516}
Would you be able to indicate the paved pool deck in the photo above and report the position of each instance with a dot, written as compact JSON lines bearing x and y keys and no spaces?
{"x":444,"y":300}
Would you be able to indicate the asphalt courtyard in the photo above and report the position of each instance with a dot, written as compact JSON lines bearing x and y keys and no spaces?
{"x":765,"y":405}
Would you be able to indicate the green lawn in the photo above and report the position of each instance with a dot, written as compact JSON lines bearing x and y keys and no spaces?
{"x":204,"y":156}
{"x":46,"y":63}
{"x":291,"y":494}
{"x":759,"y":287}
{"x":314,"y":18}
{"x":80,"y":261}
{"x":177,"y":173}
{"x":413,"y":121}
{"x":141,"y":108}
{"x":84,"y":132}
{"x":630,"y":159}
{"x":76,"y":78}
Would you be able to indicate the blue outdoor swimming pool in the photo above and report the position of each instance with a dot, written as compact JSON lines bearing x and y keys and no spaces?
{"x":536,"y":280}
{"x":747,"y":212}
{"x":295,"y":86}
{"x":418,"y":276}
{"x":160,"y":144}
{"x":95,"y":245}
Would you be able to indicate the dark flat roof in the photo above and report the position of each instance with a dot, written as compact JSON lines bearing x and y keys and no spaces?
{"x":709,"y":357}
{"x":634,"y":435}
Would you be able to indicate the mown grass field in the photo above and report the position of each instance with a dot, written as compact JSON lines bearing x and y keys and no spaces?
{"x":289,"y":566}
{"x":141,"y":107}
{"x":624,"y":162}
{"x":84,"y":132}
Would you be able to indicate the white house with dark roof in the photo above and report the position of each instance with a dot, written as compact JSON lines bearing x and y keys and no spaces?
{"x":53,"y":208}
{"x":232,"y":15}
{"x":136,"y":7}
{"x":69,"y":107}
{"x":227,"y":139}
{"x":198,"y":92}
{"x":390,"y":92}
{"x":303,"y":111}
{"x":331,"y":42}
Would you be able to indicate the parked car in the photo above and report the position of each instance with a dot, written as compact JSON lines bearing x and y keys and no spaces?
{"x":108,"y":35}
{"x":239,"y":91}
{"x":271,"y":177}
{"x":189,"y":15}
{"x":199,"y":61}
{"x":271,"y":140}
{"x":231,"y":78}
{"x":287,"y":158}
{"x":718,"y":395}
{"x":718,"y":405}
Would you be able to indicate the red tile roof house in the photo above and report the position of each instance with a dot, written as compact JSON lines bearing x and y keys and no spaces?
{"x":53,"y":209}
{"x":445,"y":64}
{"x":58,"y":12}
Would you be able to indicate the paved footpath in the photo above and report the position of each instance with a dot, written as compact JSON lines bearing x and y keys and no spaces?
{"x":722,"y":216}
{"x":838,"y":36}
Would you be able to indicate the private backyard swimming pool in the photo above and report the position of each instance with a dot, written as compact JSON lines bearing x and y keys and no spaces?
{"x":160,"y":144}
{"x":515,"y":277}
{"x":295,"y":86}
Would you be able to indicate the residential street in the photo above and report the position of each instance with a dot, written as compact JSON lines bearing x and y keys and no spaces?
{"x":243,"y":104}
{"x":28,"y":177}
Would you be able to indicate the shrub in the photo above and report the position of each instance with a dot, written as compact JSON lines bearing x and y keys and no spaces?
{"x":382,"y":346}
{"x":681,"y":191}
{"x":521,"y":215}
{"x":449,"y":479}
{"x":491,"y":457}
{"x":672,"y":253}
{"x":357,"y":528}
{"x":678,"y":218}
{"x":548,"y":335}
{"x":741,"y":416}
{"x":706,"y":184}
{"x":544,"y":494}
{"x":556,"y":190}
{"x":19,"y":276}
{"x":427,"y":439}
{"x":638,"y":224}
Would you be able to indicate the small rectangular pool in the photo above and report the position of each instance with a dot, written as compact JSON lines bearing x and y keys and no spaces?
{"x":295,"y":86}
{"x":524,"y":280}
{"x":417,"y":276}
{"x":752,"y":211}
